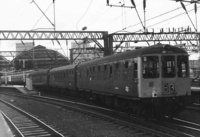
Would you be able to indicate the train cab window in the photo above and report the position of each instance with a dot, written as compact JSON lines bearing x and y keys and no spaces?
{"x":182,"y":64}
{"x":168,"y":66}
{"x":150,"y":65}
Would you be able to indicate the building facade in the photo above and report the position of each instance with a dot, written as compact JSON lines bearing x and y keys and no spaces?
{"x":39,"y":57}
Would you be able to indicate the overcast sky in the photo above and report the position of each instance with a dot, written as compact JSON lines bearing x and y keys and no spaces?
{"x":94,"y":14}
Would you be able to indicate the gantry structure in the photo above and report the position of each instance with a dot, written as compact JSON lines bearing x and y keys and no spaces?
{"x":96,"y":36}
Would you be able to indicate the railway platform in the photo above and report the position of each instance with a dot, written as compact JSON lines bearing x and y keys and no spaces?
{"x":22,"y":89}
{"x":195,"y":94}
{"x":4,"y":128}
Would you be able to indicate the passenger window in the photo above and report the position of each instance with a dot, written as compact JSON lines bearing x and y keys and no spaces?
{"x":182,"y":63}
{"x":87,"y":72}
{"x":126,"y":65}
{"x":150,"y":66}
{"x":117,"y":65}
{"x":111,"y":72}
{"x":135,"y":70}
{"x":105,"y":67}
{"x":99,"y":68}
{"x":168,"y":66}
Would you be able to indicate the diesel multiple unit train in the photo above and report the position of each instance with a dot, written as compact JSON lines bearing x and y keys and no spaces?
{"x":151,"y":80}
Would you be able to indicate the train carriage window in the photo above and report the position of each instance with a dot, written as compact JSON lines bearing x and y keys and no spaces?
{"x":80,"y":73}
{"x":150,"y":65}
{"x":168,"y":66}
{"x":105,"y":67}
{"x":182,"y":64}
{"x":126,"y":64}
{"x":111,"y":71}
{"x":99,"y":68}
{"x":135,"y":67}
{"x":87,"y":72}
{"x":93,"y":69}
{"x":117,"y":65}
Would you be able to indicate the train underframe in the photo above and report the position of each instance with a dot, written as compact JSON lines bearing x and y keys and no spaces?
{"x":150,"y":108}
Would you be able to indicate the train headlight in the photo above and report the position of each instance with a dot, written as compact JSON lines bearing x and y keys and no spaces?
{"x":154,"y":92}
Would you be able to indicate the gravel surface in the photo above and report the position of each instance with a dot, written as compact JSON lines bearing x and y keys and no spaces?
{"x":191,"y":116}
{"x":72,"y":124}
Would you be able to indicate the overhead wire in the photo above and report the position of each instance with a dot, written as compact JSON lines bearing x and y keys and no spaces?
{"x":115,"y":18}
{"x":103,"y":13}
{"x":188,"y":15}
{"x":41,"y":16}
{"x":172,"y":17}
{"x":84,"y":14}
{"x":43,"y":13}
{"x":153,"y":17}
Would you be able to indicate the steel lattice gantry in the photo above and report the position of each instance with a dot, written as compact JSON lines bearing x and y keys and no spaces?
{"x":58,"y":35}
{"x":144,"y":37}
{"x":49,"y":35}
{"x":152,"y":37}
{"x":100,"y":35}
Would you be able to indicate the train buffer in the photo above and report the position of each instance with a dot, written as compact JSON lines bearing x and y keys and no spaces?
{"x":5,"y":131}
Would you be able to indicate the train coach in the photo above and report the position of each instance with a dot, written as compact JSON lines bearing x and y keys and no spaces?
{"x":14,"y":79}
{"x":155,"y":77}
{"x":63,"y":77}
{"x":148,"y":81}
{"x":39,"y":79}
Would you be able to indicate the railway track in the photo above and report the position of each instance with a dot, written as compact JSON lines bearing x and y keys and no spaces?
{"x":194,"y":107}
{"x":186,"y":127}
{"x":25,"y":125}
{"x":143,"y":127}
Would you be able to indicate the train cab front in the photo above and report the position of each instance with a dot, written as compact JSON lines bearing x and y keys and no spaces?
{"x":164,"y":79}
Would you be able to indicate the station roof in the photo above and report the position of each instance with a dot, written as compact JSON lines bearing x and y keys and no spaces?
{"x":4,"y":63}
{"x":44,"y":57}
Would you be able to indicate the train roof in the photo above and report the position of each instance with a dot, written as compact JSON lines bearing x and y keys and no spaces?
{"x":39,"y":72}
{"x":155,"y":49}
{"x":63,"y":68}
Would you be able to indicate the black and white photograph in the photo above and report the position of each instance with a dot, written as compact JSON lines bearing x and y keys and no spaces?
{"x":99,"y":68}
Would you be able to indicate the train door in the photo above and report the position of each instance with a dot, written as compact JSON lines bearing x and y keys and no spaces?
{"x":110,"y":86}
{"x":135,"y":75}
{"x":130,"y":77}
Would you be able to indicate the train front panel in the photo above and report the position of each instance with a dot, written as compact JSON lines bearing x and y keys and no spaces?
{"x":163,"y":75}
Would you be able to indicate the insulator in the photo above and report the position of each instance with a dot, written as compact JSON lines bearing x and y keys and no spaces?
{"x":132,"y":1}
{"x":107,"y":2}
